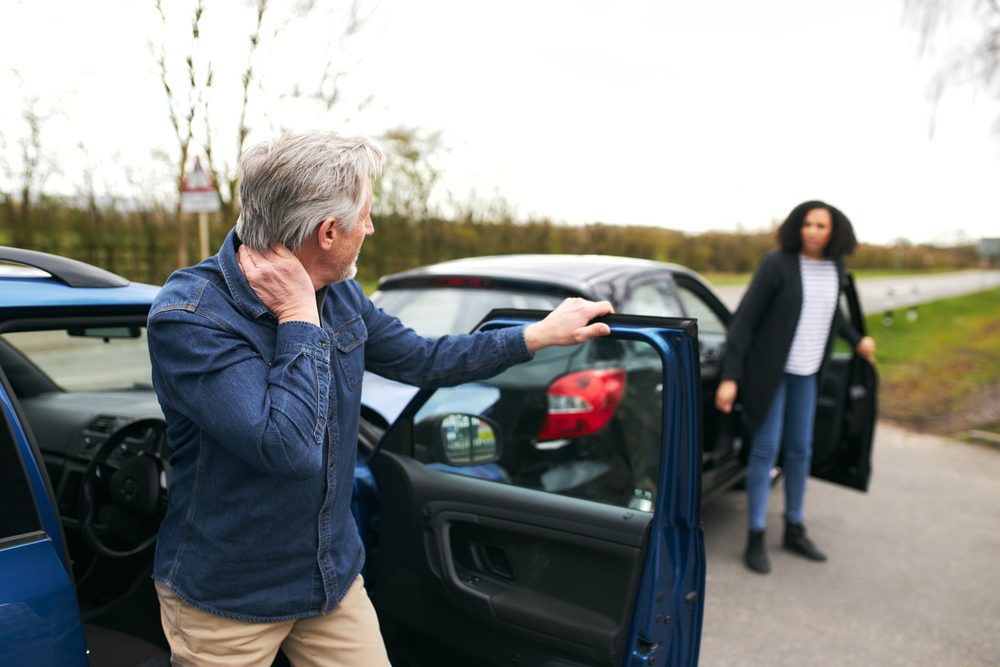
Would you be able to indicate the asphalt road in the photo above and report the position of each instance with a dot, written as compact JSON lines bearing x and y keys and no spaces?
{"x":913,"y":576}
{"x":879,"y":294}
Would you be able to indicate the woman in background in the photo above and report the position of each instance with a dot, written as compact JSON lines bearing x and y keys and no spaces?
{"x":776,"y":350}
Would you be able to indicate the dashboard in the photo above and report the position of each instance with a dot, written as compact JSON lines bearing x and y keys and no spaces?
{"x":70,"y":428}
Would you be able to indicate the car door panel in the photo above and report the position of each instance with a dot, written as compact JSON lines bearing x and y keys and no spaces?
{"x":508,"y":555}
{"x":846,"y":412}
{"x":470,"y":571}
{"x":39,"y":618}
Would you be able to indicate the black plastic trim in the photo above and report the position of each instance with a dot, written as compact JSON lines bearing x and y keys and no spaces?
{"x":23,"y":538}
{"x":70,"y":271}
{"x":686,"y":324}
{"x":137,"y":316}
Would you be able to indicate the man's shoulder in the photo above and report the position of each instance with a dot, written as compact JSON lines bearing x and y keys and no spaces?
{"x":348,"y":296}
{"x":191,"y":289}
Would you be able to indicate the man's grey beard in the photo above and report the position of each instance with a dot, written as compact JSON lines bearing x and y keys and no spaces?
{"x":350,"y":272}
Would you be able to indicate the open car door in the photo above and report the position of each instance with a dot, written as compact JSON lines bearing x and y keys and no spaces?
{"x":847,"y":409}
{"x":39,"y":621}
{"x":550,"y":514}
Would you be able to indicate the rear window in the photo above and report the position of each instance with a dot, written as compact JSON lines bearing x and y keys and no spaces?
{"x":437,"y":311}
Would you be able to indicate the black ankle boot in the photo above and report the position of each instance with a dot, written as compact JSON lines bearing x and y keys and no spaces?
{"x":756,"y":556}
{"x":796,"y":540}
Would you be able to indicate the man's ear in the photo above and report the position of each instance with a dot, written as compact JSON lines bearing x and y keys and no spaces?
{"x":327,"y":234}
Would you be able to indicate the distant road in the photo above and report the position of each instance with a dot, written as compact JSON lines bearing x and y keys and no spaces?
{"x":878,"y":294}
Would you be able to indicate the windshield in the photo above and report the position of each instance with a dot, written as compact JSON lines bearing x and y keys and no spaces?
{"x":437,"y":311}
{"x":77,"y":362}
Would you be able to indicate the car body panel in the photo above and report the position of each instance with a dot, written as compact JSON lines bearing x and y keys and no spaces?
{"x":846,"y":412}
{"x":39,"y":618}
{"x":36,"y":292}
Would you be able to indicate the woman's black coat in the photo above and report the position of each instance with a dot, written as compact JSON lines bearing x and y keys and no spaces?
{"x":761,"y":332}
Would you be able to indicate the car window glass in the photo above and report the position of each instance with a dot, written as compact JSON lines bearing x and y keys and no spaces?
{"x":695,"y":306}
{"x":651,"y":299}
{"x":841,"y":346}
{"x":79,"y":362}
{"x":582,"y":421}
{"x":439,"y":311}
{"x":17,"y":507}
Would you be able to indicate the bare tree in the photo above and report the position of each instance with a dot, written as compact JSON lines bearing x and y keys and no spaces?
{"x":35,"y":168}
{"x":201,"y":119}
{"x":975,"y":61}
{"x":410,"y":174}
{"x":182,"y":106}
{"x":223,"y":170}
{"x":24,"y":163}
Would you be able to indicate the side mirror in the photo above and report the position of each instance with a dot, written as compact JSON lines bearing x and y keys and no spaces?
{"x":458,"y":439}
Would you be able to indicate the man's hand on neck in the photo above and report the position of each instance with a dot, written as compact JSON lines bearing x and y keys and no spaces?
{"x":280,"y":282}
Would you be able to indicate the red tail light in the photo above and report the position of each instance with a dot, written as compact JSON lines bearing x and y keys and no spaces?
{"x":581,"y":403}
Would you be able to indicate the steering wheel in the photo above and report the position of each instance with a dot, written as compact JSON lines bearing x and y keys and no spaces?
{"x":135,"y":493}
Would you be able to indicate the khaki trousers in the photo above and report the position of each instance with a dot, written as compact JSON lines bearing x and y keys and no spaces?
{"x":348,"y":636}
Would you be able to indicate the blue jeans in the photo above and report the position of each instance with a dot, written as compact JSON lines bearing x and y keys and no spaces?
{"x":788,"y":427}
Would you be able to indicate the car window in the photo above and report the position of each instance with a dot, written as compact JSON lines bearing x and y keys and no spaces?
{"x":438,"y":311}
{"x":694,"y":306}
{"x":76,"y":360}
{"x":17,"y":507}
{"x":841,"y":346}
{"x":651,"y":299}
{"x":582,"y":421}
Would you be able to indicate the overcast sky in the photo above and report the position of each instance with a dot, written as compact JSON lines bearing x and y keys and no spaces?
{"x":692,"y":116}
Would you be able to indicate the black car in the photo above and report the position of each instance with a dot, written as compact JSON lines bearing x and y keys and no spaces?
{"x":451,"y":297}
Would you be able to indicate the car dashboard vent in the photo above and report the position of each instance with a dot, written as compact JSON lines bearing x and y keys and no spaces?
{"x":102,"y":424}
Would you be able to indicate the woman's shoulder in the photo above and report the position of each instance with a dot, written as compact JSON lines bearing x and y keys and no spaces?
{"x":777,"y":258}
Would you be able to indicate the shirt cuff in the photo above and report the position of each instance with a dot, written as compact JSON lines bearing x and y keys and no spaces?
{"x":515,"y":345}
{"x":295,"y":337}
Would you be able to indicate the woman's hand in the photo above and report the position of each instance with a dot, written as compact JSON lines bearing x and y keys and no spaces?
{"x":725,"y":396}
{"x":866,"y":349}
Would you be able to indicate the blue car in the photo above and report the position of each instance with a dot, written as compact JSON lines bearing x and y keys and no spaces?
{"x":546,"y":516}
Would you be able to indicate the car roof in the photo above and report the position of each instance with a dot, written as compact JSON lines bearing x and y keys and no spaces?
{"x":575,"y":272}
{"x":37,"y":280}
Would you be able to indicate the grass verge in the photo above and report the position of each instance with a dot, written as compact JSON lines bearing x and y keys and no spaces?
{"x":941,"y":371}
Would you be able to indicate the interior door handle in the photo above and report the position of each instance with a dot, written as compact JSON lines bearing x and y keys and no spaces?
{"x":493,"y":560}
{"x":464,"y":586}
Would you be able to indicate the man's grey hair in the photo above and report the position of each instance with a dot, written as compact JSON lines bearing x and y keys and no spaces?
{"x":288,"y":186}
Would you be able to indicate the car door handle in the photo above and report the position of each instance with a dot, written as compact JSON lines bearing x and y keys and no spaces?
{"x":493,"y":560}
{"x":463,"y":585}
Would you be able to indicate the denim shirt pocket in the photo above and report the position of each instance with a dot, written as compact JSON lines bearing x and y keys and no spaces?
{"x":349,"y":340}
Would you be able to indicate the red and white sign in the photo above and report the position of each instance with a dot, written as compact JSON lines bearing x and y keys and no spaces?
{"x":198,"y":193}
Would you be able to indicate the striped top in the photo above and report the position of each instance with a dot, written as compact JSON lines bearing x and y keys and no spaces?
{"x":820,"y":291}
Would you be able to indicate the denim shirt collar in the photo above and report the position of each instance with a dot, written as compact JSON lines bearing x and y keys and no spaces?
{"x":244,"y":296}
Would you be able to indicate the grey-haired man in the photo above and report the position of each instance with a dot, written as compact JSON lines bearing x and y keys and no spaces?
{"x":258,"y":354}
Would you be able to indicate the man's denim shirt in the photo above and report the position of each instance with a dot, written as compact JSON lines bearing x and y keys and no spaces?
{"x":262,"y":421}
